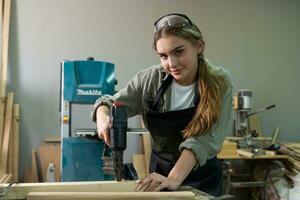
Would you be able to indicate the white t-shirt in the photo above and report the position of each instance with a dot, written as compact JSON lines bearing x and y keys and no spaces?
{"x":182,"y":96}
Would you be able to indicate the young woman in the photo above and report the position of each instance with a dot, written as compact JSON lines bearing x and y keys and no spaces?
{"x":186,"y":104}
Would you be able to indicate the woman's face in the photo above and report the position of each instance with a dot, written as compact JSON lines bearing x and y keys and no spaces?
{"x":179,"y":57}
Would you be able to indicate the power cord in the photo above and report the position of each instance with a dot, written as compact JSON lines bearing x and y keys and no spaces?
{"x":6,"y":189}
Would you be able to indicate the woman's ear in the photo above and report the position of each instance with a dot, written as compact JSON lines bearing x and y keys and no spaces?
{"x":200,"y":46}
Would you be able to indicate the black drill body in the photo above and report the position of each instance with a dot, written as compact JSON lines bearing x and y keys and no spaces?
{"x":118,"y":131}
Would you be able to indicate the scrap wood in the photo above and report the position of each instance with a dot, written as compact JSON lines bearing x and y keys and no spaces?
{"x":293,"y":150}
{"x":294,"y":163}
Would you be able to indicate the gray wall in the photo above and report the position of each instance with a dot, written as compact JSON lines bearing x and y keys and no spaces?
{"x":257,"y":41}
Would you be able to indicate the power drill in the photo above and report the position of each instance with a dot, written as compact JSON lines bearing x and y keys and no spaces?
{"x":118,"y":131}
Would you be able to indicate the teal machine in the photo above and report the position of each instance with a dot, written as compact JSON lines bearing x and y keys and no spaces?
{"x":82,"y":82}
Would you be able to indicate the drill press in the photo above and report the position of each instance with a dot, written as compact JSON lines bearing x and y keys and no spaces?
{"x":118,"y":131}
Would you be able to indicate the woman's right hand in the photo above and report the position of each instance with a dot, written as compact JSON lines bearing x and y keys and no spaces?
{"x":103,"y":123}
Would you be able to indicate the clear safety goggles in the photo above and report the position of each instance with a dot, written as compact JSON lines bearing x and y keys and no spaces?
{"x":173,"y":19}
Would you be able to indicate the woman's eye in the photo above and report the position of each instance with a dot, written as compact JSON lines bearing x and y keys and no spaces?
{"x":178,"y":52}
{"x":163,"y":57}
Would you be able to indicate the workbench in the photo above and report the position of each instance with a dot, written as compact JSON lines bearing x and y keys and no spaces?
{"x":93,"y":190}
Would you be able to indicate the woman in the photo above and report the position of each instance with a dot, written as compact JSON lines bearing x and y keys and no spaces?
{"x":185,"y":103}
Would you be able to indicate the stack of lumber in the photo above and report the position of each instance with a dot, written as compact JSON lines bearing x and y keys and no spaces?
{"x":9,"y":112}
{"x":293,"y":151}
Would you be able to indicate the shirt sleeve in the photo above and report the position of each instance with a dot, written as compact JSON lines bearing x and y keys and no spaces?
{"x":207,"y":146}
{"x":130,"y":96}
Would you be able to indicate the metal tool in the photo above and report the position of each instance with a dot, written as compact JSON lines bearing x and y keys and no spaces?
{"x":242,"y":105}
{"x":118,"y":131}
{"x":242,"y":108}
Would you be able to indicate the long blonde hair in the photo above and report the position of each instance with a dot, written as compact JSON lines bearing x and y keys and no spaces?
{"x":211,"y":84}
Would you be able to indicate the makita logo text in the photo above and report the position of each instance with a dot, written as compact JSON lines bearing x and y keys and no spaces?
{"x":81,"y":92}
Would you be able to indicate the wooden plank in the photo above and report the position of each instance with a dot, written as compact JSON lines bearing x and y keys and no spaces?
{"x":5,"y":46}
{"x":1,"y":29}
{"x":245,"y":153}
{"x":235,"y":138}
{"x":50,"y":153}
{"x":20,"y":190}
{"x":109,"y":195}
{"x":2,"y":178}
{"x":10,"y":152}
{"x":52,"y":139}
{"x":15,"y":132}
{"x":7,"y":133}
{"x":138,"y":161}
{"x":7,"y":179}
{"x":34,"y":168}
{"x":2,"y":109}
{"x":226,"y":157}
{"x":147,"y":150}
{"x":228,"y":149}
{"x":275,"y":135}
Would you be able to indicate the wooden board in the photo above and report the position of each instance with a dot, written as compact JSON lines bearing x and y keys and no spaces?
{"x":52,"y":139}
{"x":50,"y":153}
{"x":10,"y":152}
{"x":20,"y":190}
{"x":34,"y":168}
{"x":147,"y":150}
{"x":6,"y":178}
{"x":2,"y":109}
{"x":138,"y":161}
{"x":7,"y":133}
{"x":5,"y":45}
{"x":252,"y":158}
{"x":15,"y":145}
{"x":109,"y":195}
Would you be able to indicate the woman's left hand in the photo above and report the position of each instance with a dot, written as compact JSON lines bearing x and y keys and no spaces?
{"x":157,"y":182}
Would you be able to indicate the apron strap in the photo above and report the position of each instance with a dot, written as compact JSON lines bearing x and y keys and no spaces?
{"x":165,"y":84}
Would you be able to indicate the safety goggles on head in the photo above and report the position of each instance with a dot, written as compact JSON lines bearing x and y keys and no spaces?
{"x":173,"y":19}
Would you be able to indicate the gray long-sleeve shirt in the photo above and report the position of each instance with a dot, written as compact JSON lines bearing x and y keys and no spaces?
{"x":147,"y":82}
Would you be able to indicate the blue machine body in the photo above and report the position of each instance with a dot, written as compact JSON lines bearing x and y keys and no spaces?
{"x":82,"y":160}
{"x":85,"y":81}
{"x":82,"y":82}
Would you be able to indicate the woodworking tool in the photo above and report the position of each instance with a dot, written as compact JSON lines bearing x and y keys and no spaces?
{"x":118,"y":131}
{"x":242,"y":108}
{"x":82,"y":83}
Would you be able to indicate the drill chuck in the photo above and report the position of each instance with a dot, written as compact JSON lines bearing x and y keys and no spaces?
{"x":118,"y":165}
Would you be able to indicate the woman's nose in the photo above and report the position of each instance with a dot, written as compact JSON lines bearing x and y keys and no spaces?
{"x":172,"y":62}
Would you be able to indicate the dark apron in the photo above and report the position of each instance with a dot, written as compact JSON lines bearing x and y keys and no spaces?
{"x":165,"y":129}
